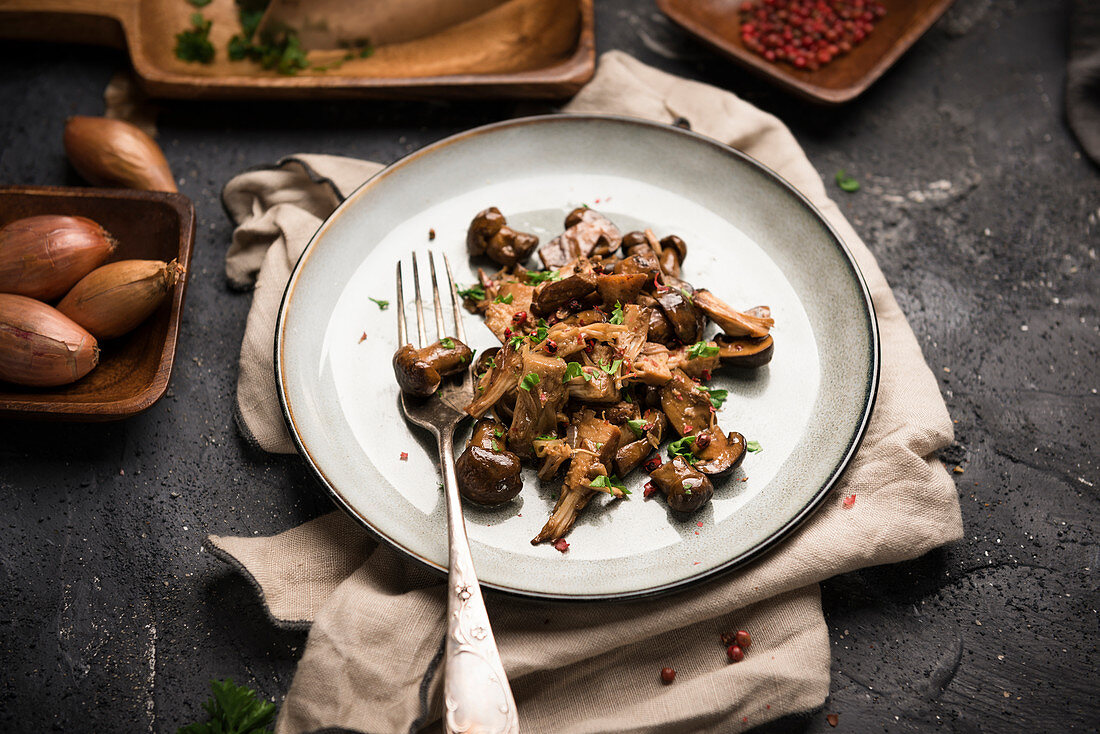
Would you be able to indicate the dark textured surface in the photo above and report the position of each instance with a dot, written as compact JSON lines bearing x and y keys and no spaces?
{"x":982,"y":213}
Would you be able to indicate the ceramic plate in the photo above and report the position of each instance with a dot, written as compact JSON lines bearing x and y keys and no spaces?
{"x":752,"y":239}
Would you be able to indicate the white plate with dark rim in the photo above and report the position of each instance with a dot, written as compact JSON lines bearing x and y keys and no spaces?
{"x":752,"y":239}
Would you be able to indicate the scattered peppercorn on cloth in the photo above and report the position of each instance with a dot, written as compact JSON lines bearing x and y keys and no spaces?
{"x":371,"y":663}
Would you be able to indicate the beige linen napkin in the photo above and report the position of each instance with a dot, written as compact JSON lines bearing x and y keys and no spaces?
{"x":371,"y":662}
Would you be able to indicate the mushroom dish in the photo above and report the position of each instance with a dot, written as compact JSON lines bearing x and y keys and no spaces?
{"x":604,"y":355}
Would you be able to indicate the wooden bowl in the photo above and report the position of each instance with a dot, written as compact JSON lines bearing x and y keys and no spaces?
{"x":133,"y":370}
{"x":718,"y":23}
{"x":552,"y":64}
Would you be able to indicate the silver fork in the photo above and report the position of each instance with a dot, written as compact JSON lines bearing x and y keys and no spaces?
{"x":476,"y":694}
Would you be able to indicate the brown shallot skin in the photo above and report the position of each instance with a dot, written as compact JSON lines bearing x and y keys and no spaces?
{"x":115,"y":298}
{"x":41,"y":347}
{"x":44,"y":256}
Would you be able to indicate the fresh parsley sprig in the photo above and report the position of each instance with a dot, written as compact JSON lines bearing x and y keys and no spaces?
{"x":233,"y":710}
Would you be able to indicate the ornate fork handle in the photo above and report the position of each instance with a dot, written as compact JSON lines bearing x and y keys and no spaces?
{"x":476,"y":695}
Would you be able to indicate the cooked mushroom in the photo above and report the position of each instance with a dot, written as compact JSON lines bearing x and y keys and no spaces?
{"x":421,"y":371}
{"x":587,"y":233}
{"x":718,"y":453}
{"x":686,"y":488}
{"x":489,"y":234}
{"x":734,"y":323}
{"x":638,"y":439}
{"x":552,"y":296}
{"x":673,"y":252}
{"x":679,"y":308}
{"x":621,"y":288}
{"x":540,"y":396}
{"x":488,"y":474}
{"x":696,"y":360}
{"x":687,"y":406}
{"x":744,"y":351}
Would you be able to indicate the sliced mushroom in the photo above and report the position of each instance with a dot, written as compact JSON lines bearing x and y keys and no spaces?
{"x":696,"y":361}
{"x":731,"y":321}
{"x":540,"y":396}
{"x":638,"y":441}
{"x":552,"y":296}
{"x":688,"y":408}
{"x":587,"y":233}
{"x":686,"y":488}
{"x":622,"y":288}
{"x":678,"y":307}
{"x":420,"y":371}
{"x":673,"y":252}
{"x":745,"y":351}
{"x":489,"y":234}
{"x":717,"y":452}
{"x":488,"y":474}
{"x":639,"y":263}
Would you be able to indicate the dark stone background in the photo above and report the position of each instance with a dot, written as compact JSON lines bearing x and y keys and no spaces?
{"x":113,"y":619}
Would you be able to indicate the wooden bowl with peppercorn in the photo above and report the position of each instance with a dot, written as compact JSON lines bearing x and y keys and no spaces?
{"x":826,"y":51}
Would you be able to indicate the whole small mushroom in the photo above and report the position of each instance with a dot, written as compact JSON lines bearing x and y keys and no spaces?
{"x":489,"y":234}
{"x":487,"y":472}
{"x":420,"y":371}
{"x":686,"y":488}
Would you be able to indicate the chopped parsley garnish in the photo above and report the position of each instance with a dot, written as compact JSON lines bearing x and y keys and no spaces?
{"x":611,"y":368}
{"x":604,"y":483}
{"x":682,"y":447}
{"x":701,"y":349}
{"x":717,"y":397}
{"x":475,"y":292}
{"x":541,"y":332}
{"x":382,"y":305}
{"x":574,"y":370}
{"x":194,"y":44}
{"x":200,"y":3}
{"x":530,"y":380}
{"x":546,"y":437}
{"x":753,"y":446}
{"x":506,"y":298}
{"x":846,"y":182}
{"x":447,"y":342}
{"x":534,"y":277}
{"x":616,"y":314}
{"x":516,"y":341}
{"x":284,"y":53}
{"x":496,"y":446}
{"x":498,"y":433}
{"x":638,"y":426}
{"x":686,"y":295}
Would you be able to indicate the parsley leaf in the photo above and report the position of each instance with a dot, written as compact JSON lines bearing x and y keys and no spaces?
{"x":194,"y":44}
{"x":541,"y":332}
{"x":233,"y":710}
{"x":604,"y":483}
{"x":753,"y":446}
{"x":717,"y":397}
{"x":534,"y":277}
{"x":476,"y":292}
{"x":846,"y":182}
{"x":612,"y":368}
{"x":701,"y":349}
{"x":447,"y":342}
{"x":506,"y":298}
{"x":546,"y":437}
{"x":516,"y":341}
{"x":382,"y":305}
{"x":686,"y":295}
{"x":200,"y":3}
{"x":616,"y":314}
{"x":496,"y":446}
{"x":637,"y":426}
{"x":682,"y":447}
{"x":573,"y":370}
{"x":530,"y":380}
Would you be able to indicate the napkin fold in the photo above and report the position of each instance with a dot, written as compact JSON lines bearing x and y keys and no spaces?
{"x":372,"y":660}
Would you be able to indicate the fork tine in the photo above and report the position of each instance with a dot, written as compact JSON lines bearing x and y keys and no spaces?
{"x":402,"y":338}
{"x":419,"y":306}
{"x":440,"y":328}
{"x":459,"y":331}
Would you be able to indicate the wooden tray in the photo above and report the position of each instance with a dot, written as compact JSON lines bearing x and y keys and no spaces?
{"x":718,"y":23}
{"x":133,"y":370}
{"x":147,"y":28}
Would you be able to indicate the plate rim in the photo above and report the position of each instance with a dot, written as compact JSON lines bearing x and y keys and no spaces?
{"x":762,"y":547}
